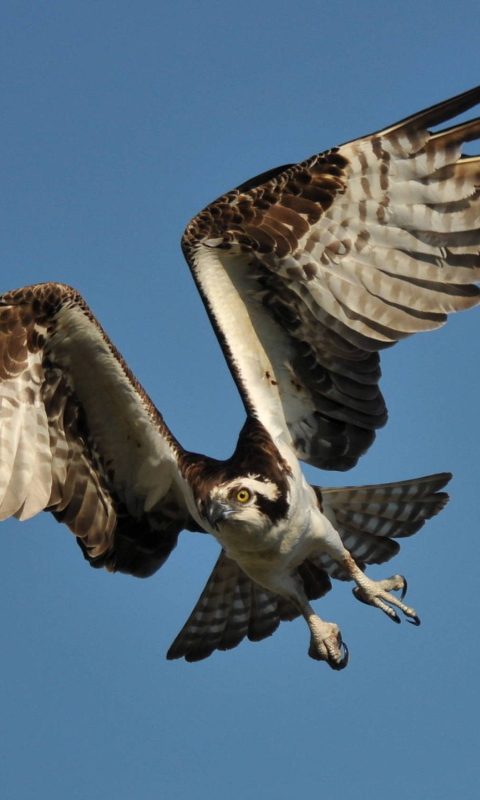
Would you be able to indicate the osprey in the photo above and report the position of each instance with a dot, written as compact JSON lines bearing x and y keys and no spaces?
{"x":306,"y":272}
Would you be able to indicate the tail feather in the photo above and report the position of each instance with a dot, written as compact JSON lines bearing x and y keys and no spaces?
{"x":414,"y":489}
{"x":231,"y":607}
{"x":368,"y":518}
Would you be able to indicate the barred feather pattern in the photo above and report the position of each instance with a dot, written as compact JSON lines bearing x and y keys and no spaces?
{"x":335,"y":259}
{"x":80,"y":438}
{"x":307,"y":272}
{"x":230,"y":608}
{"x":368,"y":518}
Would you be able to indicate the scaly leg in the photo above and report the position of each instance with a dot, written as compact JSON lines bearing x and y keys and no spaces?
{"x":325,"y":637}
{"x":378,"y":593}
{"x":325,"y":641}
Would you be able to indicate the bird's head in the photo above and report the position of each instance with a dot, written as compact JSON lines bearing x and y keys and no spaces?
{"x":246,"y":494}
{"x":251,"y":502}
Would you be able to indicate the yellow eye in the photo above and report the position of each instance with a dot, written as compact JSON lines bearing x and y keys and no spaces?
{"x":243,"y":496}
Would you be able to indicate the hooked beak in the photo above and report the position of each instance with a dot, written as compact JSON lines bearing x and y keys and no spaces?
{"x":217,"y":512}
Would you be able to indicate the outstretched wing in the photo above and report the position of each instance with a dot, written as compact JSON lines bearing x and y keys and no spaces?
{"x":79,"y":436}
{"x":308,"y":271}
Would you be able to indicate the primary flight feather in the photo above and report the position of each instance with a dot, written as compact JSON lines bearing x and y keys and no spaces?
{"x":306,"y":272}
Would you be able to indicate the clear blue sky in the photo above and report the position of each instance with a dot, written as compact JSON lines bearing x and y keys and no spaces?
{"x":121,"y":120}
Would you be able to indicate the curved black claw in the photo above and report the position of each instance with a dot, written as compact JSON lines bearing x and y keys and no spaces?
{"x":404,"y":590}
{"x":338,"y":665}
{"x":358,"y":594}
{"x":345,"y":655}
{"x":314,"y":653}
{"x":415,"y":621}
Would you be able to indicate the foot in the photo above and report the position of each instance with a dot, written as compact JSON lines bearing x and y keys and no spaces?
{"x":326,"y":643}
{"x":378,"y":593}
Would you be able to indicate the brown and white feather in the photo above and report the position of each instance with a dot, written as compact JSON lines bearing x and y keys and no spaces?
{"x":307,"y":272}
{"x":79,"y":436}
{"x":368,"y":518}
{"x":230,"y":608}
{"x":310,"y":270}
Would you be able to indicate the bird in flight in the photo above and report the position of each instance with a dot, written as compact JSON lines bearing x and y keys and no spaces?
{"x":306,"y":272}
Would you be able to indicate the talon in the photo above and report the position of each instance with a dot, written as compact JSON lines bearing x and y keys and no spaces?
{"x":345,"y":656}
{"x":313,"y":653}
{"x":394,"y":617}
{"x":380,"y":594}
{"x":414,"y":621}
{"x":326,"y":643}
{"x":358,"y":594}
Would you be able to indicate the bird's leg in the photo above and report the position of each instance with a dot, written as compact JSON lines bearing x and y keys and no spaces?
{"x":378,"y":593}
{"x":325,"y":637}
{"x":325,"y":641}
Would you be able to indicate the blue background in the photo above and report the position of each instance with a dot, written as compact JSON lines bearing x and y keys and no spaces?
{"x":121,"y":120}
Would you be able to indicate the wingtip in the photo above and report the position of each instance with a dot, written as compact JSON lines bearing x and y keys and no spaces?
{"x":434,"y":115}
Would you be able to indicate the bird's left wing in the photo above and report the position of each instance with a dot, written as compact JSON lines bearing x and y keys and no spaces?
{"x":80,"y":438}
{"x":309,"y":270}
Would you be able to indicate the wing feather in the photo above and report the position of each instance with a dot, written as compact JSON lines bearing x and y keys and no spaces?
{"x":79,"y":436}
{"x":309,"y":273}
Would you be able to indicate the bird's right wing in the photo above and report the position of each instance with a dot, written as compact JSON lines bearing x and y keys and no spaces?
{"x":80,"y":438}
